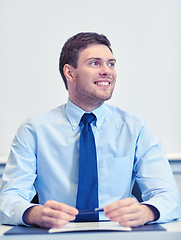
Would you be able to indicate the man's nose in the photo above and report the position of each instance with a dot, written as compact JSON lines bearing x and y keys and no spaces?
{"x":105,"y":70}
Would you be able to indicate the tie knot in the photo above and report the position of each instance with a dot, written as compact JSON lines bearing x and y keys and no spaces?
{"x":88,"y":118}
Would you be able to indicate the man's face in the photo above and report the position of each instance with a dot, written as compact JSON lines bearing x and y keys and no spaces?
{"x":94,"y":77}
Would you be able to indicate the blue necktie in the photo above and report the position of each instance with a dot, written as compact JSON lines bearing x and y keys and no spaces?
{"x":87,"y":195}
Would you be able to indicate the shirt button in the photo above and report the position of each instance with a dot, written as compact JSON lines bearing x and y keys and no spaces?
{"x":74,"y":124}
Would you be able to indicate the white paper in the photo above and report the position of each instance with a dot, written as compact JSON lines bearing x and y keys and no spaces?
{"x":90,"y":226}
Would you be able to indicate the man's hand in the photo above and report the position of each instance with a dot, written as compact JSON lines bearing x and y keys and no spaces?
{"x":129,"y":213}
{"x":51,"y":214}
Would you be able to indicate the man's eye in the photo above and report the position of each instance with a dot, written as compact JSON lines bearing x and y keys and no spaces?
{"x":112,"y":64}
{"x":94,"y":63}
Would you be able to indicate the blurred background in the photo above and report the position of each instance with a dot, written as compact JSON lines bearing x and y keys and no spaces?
{"x":146,"y":41}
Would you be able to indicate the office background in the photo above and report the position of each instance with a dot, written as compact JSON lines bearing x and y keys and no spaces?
{"x":145,"y":37}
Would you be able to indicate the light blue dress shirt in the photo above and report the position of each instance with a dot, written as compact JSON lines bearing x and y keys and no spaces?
{"x":44,"y":158}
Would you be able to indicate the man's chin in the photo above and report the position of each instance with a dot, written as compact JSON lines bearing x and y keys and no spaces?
{"x":105,"y":97}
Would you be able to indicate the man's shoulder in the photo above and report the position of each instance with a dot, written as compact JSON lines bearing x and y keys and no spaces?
{"x":54,"y":114}
{"x":117,"y":113}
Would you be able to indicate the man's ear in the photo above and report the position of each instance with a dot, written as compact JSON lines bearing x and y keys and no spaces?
{"x":69,"y":72}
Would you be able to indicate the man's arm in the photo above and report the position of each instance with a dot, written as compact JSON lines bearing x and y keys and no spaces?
{"x":51,"y":214}
{"x":154,"y":176}
{"x":17,"y":189}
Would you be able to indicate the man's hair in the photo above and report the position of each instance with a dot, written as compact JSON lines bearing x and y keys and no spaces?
{"x":76,"y":44}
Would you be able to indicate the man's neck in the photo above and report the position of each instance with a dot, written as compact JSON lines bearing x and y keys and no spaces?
{"x":87,"y":107}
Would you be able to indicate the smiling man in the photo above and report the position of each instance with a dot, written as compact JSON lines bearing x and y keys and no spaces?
{"x":44,"y":156}
{"x":92,"y":82}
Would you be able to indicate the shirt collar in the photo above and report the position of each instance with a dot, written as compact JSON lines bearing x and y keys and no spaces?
{"x":74,"y":114}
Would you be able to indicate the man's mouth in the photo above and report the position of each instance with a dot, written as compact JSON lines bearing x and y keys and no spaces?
{"x":102,"y":83}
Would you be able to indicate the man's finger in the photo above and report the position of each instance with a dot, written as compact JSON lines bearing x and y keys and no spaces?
{"x":47,"y":211}
{"x":120,"y":204}
{"x":50,"y":222}
{"x":61,"y":207}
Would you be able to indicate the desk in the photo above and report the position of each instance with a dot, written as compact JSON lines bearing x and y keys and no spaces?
{"x":173,"y":233}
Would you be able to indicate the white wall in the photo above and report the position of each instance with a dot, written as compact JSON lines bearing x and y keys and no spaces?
{"x":145,"y":36}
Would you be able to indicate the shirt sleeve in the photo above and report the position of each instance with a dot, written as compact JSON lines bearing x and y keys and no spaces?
{"x":154,"y":176}
{"x":19,"y":175}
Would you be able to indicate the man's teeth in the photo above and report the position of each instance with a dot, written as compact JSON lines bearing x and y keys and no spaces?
{"x":102,"y":83}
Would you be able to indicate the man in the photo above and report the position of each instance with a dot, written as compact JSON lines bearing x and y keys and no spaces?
{"x":44,"y":155}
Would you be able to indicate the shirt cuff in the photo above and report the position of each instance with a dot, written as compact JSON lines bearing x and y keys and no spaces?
{"x":13,"y":215}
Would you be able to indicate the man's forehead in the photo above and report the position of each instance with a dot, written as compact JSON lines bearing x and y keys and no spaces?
{"x":96,"y":51}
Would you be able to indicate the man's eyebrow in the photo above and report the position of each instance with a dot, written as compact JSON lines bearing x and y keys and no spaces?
{"x":96,"y":58}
